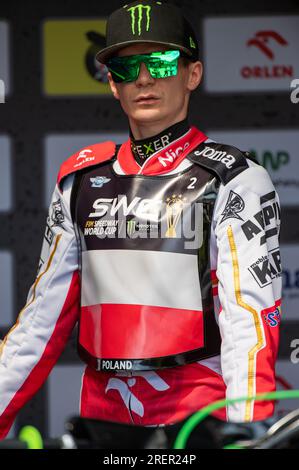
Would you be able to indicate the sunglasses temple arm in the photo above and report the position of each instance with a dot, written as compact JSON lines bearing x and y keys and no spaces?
{"x":118,"y":74}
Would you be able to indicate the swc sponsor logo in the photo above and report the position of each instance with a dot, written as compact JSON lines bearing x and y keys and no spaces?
{"x":140,"y":207}
{"x":171,"y":155}
{"x":84,"y":157}
{"x":264,"y":223}
{"x":152,"y":217}
{"x":266,"y":43}
{"x":266,"y":268}
{"x":217,"y":155}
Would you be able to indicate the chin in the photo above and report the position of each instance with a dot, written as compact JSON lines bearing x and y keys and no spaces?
{"x":148,"y":115}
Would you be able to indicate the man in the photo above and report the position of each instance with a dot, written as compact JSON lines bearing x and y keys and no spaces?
{"x":165,"y":250}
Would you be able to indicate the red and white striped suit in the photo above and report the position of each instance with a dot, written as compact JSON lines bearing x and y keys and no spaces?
{"x":245,"y":282}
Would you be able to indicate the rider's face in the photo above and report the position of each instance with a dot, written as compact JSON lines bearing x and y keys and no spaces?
{"x":148,"y":99}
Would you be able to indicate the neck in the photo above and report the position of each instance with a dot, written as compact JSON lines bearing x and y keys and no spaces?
{"x":144,"y":148}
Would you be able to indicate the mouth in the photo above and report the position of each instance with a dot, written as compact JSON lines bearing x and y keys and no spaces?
{"x":147,"y":99}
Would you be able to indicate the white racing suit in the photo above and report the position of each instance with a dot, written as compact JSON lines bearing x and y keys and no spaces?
{"x":107,"y":285}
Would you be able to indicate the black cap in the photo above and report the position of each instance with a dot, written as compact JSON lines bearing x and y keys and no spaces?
{"x":148,"y":21}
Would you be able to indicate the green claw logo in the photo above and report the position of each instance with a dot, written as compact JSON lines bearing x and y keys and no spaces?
{"x":138,"y":11}
{"x":131,"y":227}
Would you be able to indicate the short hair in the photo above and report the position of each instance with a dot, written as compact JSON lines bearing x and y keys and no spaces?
{"x":185,"y":59}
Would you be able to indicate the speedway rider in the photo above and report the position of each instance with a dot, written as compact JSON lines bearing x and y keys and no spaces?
{"x":164,"y":250}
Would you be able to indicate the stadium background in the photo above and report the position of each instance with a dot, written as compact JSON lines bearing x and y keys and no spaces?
{"x":55,"y":105}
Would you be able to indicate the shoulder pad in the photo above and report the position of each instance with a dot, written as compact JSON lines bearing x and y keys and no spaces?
{"x":89,"y":156}
{"x":225,"y":161}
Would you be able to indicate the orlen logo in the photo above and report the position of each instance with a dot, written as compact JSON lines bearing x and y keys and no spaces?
{"x":171,"y":155}
{"x":84,"y":158}
{"x":261,"y":38}
{"x":266,"y":42}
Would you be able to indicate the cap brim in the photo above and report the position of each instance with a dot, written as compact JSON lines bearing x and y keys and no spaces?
{"x":104,"y":54}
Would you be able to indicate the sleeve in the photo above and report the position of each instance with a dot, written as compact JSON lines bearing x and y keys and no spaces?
{"x":35,"y":342}
{"x":246,"y":226}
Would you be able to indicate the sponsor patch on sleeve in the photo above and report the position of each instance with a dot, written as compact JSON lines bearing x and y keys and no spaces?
{"x":266,"y":268}
{"x":272,"y":317}
{"x":264,"y":223}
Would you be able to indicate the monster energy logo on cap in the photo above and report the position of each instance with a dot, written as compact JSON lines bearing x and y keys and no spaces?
{"x":137,"y":13}
{"x":192,"y":43}
{"x":152,"y":21}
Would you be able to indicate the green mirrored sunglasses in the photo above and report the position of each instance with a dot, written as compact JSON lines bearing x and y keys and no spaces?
{"x":159,"y":64}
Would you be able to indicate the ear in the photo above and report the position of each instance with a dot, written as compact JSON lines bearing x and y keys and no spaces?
{"x":195,"y":75}
{"x":113,"y":86}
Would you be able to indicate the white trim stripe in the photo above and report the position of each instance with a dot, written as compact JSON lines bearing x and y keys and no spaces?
{"x":140,"y":278}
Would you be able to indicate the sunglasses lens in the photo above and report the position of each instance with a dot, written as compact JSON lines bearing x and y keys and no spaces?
{"x":164,"y":65}
{"x":123,"y":69}
{"x":159,"y":64}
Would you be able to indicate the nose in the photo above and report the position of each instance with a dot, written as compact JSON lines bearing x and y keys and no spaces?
{"x":144,"y":78}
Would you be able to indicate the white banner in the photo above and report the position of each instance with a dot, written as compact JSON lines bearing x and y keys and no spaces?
{"x":5,"y":174}
{"x":4,"y":57}
{"x":6,"y":289}
{"x":251,"y":53}
{"x":277,"y":151}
